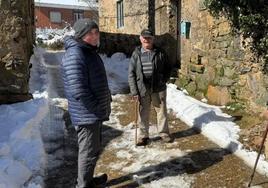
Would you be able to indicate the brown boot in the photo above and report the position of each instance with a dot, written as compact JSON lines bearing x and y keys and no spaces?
{"x":142,"y":141}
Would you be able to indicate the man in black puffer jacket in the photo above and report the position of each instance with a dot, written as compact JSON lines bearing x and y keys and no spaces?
{"x":86,"y":88}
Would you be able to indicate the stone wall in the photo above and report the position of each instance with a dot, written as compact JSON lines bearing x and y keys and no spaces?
{"x":214,"y":63}
{"x":16,"y":43}
{"x":135,"y":16}
{"x":161,"y":16}
{"x":111,"y":43}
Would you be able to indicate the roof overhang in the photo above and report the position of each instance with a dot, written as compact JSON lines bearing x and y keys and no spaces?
{"x":77,"y":7}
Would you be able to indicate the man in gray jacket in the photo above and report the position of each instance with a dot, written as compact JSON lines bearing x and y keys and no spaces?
{"x":149,"y":70}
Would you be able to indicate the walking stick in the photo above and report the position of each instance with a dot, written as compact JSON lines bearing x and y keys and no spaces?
{"x":136,"y":120}
{"x":257,"y":159}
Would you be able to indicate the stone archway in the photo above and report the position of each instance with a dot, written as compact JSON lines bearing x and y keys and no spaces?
{"x":16,"y":46}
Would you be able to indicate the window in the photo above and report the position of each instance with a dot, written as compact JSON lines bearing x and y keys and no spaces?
{"x":55,"y":17}
{"x":78,"y":15}
{"x":120,"y":14}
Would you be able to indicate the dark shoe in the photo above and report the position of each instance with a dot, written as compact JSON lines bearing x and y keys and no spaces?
{"x":142,"y":141}
{"x":166,"y":138}
{"x":100,"y":180}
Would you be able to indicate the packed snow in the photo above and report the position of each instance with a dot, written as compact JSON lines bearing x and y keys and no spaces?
{"x":142,"y":164}
{"x":21,"y":147}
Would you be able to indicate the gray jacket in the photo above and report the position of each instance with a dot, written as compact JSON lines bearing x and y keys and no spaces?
{"x":161,"y":72}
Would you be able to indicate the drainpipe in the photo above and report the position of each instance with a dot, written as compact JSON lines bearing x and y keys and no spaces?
{"x":178,"y":51}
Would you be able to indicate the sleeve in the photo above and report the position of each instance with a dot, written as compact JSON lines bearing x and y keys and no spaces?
{"x":132,"y":77}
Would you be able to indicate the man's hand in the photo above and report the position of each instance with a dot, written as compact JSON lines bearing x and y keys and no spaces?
{"x":265,"y":114}
{"x":135,"y":98}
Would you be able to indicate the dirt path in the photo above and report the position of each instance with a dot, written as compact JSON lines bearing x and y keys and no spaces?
{"x":191,"y":161}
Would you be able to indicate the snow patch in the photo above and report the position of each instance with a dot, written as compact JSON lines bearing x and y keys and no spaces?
{"x":214,"y":124}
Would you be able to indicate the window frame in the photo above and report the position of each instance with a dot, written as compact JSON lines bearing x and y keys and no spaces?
{"x":120,"y":13}
{"x":77,"y":15}
{"x":52,"y":20}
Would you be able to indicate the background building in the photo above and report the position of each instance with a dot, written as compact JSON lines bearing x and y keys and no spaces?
{"x":59,"y":14}
{"x":213,"y":61}
{"x":121,"y":22}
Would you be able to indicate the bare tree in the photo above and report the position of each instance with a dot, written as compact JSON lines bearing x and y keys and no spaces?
{"x":93,"y":4}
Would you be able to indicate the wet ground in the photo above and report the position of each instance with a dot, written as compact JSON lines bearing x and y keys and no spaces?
{"x":209,"y":166}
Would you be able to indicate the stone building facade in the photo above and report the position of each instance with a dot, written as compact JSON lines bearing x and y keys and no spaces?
{"x":214,"y":63}
{"x":16,"y":43}
{"x":159,"y":15}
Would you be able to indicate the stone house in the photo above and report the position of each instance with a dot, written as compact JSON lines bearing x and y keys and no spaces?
{"x":16,"y":42}
{"x":59,"y":14}
{"x":213,"y":62}
{"x":121,"y":22}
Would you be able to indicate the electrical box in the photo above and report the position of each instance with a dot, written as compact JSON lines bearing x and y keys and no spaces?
{"x":185,"y":29}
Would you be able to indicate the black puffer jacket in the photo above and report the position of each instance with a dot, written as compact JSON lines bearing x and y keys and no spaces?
{"x":85,"y":83}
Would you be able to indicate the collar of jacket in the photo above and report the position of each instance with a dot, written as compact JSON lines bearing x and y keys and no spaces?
{"x":138,"y":50}
{"x":87,"y":46}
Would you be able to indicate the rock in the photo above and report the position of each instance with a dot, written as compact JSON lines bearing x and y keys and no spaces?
{"x":229,"y":73}
{"x":194,"y":58}
{"x":204,"y":61}
{"x":224,"y":28}
{"x":202,"y":82}
{"x":223,"y":44}
{"x":257,"y":141}
{"x":13,"y":98}
{"x":219,"y":71}
{"x":191,"y":88}
{"x":245,"y":70}
{"x":199,"y":51}
{"x":235,"y":53}
{"x":242,"y":80}
{"x":197,"y":68}
{"x":212,"y":62}
{"x":218,"y":95}
{"x":182,"y":81}
{"x":225,"y":81}
{"x":222,"y":38}
{"x":210,"y":74}
{"x":217,"y":53}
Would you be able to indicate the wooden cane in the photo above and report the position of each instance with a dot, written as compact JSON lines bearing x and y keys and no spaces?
{"x":136,"y":121}
{"x":257,"y":159}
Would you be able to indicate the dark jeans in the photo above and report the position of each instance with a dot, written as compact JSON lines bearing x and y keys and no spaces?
{"x":89,"y":144}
